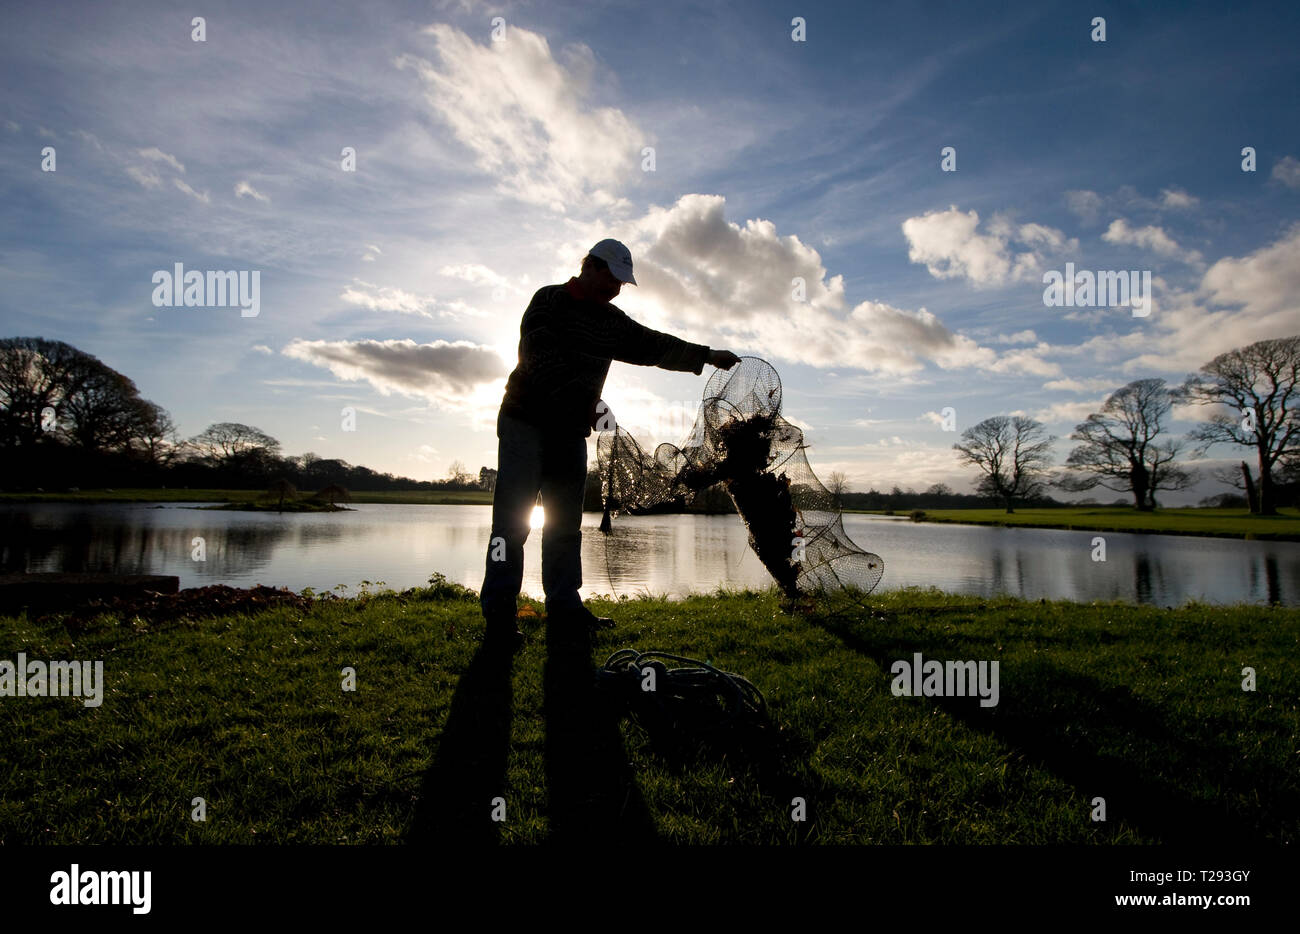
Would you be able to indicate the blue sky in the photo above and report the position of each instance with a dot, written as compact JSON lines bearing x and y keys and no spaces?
{"x":486,"y":167}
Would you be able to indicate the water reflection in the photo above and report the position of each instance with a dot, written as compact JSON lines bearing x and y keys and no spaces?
{"x":1272,"y":583}
{"x":403,"y":545}
{"x":1142,"y":578}
{"x":128,"y":540}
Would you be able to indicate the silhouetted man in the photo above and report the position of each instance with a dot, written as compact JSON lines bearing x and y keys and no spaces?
{"x":567,"y":339}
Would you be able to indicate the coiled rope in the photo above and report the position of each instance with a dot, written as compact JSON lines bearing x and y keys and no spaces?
{"x":696,"y":698}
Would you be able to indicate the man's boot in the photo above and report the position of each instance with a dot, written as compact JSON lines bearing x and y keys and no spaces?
{"x":503,"y":635}
{"x":581,"y":617}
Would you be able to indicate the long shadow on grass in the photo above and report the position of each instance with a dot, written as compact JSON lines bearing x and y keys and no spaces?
{"x":1070,"y":725}
{"x":593,"y":796}
{"x":759,"y":758}
{"x":469,"y":769}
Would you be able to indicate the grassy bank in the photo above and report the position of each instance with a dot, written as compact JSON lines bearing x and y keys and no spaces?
{"x":1230,"y":523}
{"x":415,"y":497}
{"x":1138,"y":705}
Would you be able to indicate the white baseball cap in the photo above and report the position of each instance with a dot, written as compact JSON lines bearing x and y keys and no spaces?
{"x":617,"y":257}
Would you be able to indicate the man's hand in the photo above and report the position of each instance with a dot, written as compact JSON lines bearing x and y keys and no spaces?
{"x":723,"y":359}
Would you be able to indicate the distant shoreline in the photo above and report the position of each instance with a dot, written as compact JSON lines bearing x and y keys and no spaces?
{"x":1182,"y":520}
{"x":172,"y":495}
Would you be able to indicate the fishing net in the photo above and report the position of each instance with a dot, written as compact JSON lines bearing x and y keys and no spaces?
{"x":740,"y":440}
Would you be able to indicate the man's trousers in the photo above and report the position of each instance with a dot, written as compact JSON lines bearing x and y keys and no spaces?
{"x":530,"y":460}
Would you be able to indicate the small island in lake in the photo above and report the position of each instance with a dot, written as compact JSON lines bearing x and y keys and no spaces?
{"x":282,"y":496}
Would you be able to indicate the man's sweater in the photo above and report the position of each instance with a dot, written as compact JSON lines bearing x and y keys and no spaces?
{"x":566,"y":343}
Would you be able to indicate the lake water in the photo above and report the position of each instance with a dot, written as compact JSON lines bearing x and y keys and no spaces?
{"x":402,"y":545}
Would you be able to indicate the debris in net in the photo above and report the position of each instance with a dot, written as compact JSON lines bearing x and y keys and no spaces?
{"x":741,"y":441}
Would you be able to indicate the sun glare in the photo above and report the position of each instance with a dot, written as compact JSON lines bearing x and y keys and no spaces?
{"x":537,"y":519}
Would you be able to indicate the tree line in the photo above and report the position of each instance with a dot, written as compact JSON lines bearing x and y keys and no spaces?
{"x":68,"y":419}
{"x":1126,"y":448}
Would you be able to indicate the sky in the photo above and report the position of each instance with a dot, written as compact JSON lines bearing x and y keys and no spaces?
{"x":867,"y":196}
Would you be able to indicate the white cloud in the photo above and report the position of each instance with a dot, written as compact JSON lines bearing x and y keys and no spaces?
{"x":950,"y":246}
{"x":88,"y":138}
{"x":1027,"y":361}
{"x":1036,"y":233}
{"x":1089,"y":205}
{"x":1266,"y":284}
{"x":1149,"y":238}
{"x":196,"y":195}
{"x":371,"y":252}
{"x":1287,"y":171}
{"x":914,"y":465}
{"x":1067,"y":412}
{"x":1177,"y":199}
{"x":261,"y":348}
{"x":1086,"y":204}
{"x":1080,"y":385}
{"x":526,"y":117}
{"x":718,"y":277}
{"x":154,"y":154}
{"x":1020,"y":337}
{"x":1192,"y":412}
{"x":243,"y":188}
{"x":478,"y":274}
{"x":1240,"y":300}
{"x":1088,"y":315}
{"x":442,"y":372}
{"x":387,"y":298}
{"x":147,"y":177}
{"x":457,"y":308}
{"x":147,"y":173}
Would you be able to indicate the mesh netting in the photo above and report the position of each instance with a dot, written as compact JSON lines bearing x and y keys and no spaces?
{"x":740,"y":440}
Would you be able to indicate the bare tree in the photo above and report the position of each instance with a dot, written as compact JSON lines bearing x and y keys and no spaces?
{"x":1013,"y":453}
{"x":98,"y":410}
{"x":1257,"y":385}
{"x":1119,"y":450}
{"x":335,"y":491}
{"x":155,"y":433}
{"x":50,"y":390}
{"x":34,"y":378}
{"x":457,"y":474}
{"x":837,"y":484}
{"x":226,"y":442}
{"x":281,"y":488}
{"x":1239,"y":478}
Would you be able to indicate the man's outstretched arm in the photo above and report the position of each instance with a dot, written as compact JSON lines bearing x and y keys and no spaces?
{"x":635,"y":343}
{"x":548,"y":329}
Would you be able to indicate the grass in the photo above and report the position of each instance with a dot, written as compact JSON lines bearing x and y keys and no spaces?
{"x":1230,"y":523}
{"x":1142,"y":706}
{"x":414,"y":497}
